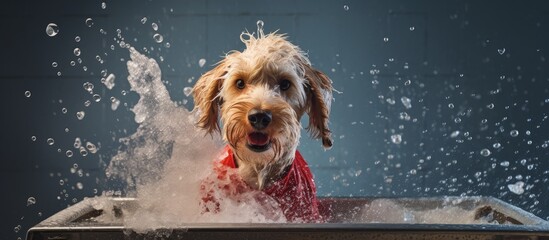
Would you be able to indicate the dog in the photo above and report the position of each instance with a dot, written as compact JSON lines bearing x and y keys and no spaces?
{"x":259,"y":96}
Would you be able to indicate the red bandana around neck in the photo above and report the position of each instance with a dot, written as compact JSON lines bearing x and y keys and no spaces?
{"x":295,"y":192}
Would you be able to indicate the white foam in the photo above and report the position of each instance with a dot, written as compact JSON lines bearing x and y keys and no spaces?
{"x":165,"y":161}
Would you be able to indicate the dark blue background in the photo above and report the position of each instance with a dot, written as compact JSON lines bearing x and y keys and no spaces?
{"x":448,"y":50}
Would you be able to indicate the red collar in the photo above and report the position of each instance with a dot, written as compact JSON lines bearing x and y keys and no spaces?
{"x":295,"y":192}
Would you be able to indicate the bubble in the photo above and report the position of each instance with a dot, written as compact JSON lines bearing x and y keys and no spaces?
{"x":79,"y":185}
{"x":396,"y":138}
{"x":89,"y":22}
{"x":54,"y":64}
{"x":187,"y":91}
{"x":77,"y":39}
{"x":154,"y":26}
{"x":17,"y":228}
{"x":490,"y":106}
{"x":59,"y":74}
{"x":61,"y":182}
{"x":31,"y":201}
{"x":390,"y":101}
{"x":77,"y":52}
{"x":69,"y":153}
{"x":412,"y":28}
{"x":346,"y":7}
{"x":386,"y":39}
{"x":201,"y":62}
{"x":28,"y":93}
{"x":406,"y":102}
{"x":143,"y":20}
{"x":504,"y":164}
{"x":103,"y":5}
{"x":88,"y":87}
{"x":501,"y":51}
{"x":33,"y":138}
{"x":514,"y":133}
{"x":91,"y":147}
{"x":50,"y":141}
{"x":517,"y":188}
{"x":454,"y":134}
{"x":52,"y":29}
{"x":408,"y":82}
{"x":87,"y":103}
{"x":96,"y":97}
{"x":80,"y":115}
{"x":457,"y":120}
{"x":451,"y":105}
{"x":158,"y":38}
{"x":496,"y":145}
{"x":73,"y":63}
{"x":485,"y":152}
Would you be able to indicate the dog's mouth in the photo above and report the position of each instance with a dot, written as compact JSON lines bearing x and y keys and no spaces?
{"x":258,"y":142}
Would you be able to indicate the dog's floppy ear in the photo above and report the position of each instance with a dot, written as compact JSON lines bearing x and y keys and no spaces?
{"x":319,"y":100}
{"x":207,"y":99}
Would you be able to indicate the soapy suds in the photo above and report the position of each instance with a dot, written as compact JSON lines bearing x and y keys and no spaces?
{"x":167,"y":159}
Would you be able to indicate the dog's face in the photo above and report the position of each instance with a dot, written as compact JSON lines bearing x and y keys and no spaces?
{"x":260,"y":95}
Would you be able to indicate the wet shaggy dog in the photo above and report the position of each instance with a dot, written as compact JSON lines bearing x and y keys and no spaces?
{"x":259,"y":96}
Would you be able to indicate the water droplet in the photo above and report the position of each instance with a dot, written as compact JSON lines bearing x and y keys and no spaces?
{"x":96,"y":97}
{"x":31,"y":201}
{"x":504,"y":164}
{"x":33,"y":138}
{"x":158,"y":38}
{"x":517,"y":188}
{"x":89,"y":22}
{"x":457,"y":120}
{"x":490,"y":106}
{"x":87,"y":103}
{"x":69,"y":153}
{"x":408,"y":82}
{"x":451,"y":105}
{"x":27,"y":93}
{"x":17,"y":228}
{"x":88,"y":87}
{"x":109,"y":81}
{"x":396,"y":138}
{"x":77,"y":143}
{"x":187,"y":91}
{"x":514,"y":133}
{"x":154,"y":26}
{"x":59,"y":74}
{"x":80,"y":115}
{"x":123,"y":92}
{"x":79,"y":185}
{"x":54,"y":64}
{"x":143,"y":20}
{"x":496,"y":145}
{"x":52,"y":29}
{"x":50,"y":141}
{"x":83,"y":151}
{"x":77,"y":39}
{"x":201,"y":62}
{"x":390,"y":101}
{"x":501,"y":51}
{"x":485,"y":152}
{"x":91,"y":147}
{"x":103,"y":5}
{"x":412,"y":28}
{"x":346,"y":7}
{"x":114,"y":103}
{"x":73,"y":63}
{"x":406,"y":102}
{"x":385,"y":39}
{"x":61,"y":182}
{"x":454,"y":134}
{"x":77,"y":52}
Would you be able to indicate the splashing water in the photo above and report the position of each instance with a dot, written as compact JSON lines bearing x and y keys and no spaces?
{"x":165,"y":161}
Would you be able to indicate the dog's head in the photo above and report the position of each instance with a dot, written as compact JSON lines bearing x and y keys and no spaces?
{"x":260,"y":95}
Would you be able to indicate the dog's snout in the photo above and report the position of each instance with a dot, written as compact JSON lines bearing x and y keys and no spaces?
{"x":259,"y":119}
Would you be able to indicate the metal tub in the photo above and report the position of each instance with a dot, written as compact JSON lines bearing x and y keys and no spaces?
{"x":348,"y":218}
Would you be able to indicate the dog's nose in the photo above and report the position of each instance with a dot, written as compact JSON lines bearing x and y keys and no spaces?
{"x":259,"y":119}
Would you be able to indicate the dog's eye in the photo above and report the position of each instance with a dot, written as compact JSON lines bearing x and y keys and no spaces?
{"x":285,"y":84}
{"x":240,"y":84}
